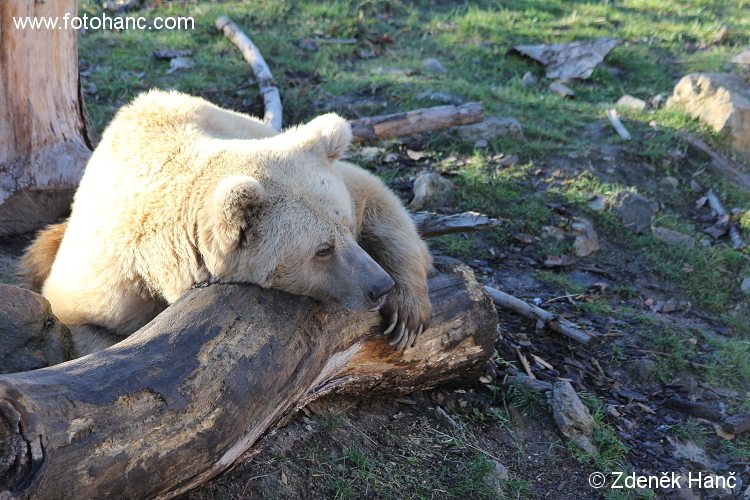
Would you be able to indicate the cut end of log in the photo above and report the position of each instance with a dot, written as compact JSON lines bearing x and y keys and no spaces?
{"x":20,"y":458}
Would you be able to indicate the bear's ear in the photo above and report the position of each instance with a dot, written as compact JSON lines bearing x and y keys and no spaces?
{"x":231,"y":205}
{"x":329,"y":135}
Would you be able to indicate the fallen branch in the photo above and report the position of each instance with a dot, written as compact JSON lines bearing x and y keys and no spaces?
{"x":718,"y":163}
{"x":268,"y":88}
{"x":734,"y":234}
{"x":430,"y":224}
{"x":617,"y":124}
{"x":693,"y":409}
{"x":549,"y":319}
{"x":377,"y":128}
{"x":180,"y":400}
{"x":736,"y":424}
{"x":513,"y":376}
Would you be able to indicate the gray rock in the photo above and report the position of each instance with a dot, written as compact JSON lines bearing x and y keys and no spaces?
{"x":745,"y":286}
{"x":630,"y":102}
{"x":673,"y":237}
{"x":180,"y":64}
{"x":430,"y":191}
{"x":635,"y":211}
{"x":741,"y":59}
{"x":561,"y":89}
{"x":569,"y":60}
{"x":572,"y":417}
{"x":597,"y":204}
{"x":669,"y":182}
{"x":528,"y":80}
{"x":432,"y":65}
{"x":586,"y":240}
{"x":481,"y":143}
{"x":721,"y":100}
{"x":495,"y":478}
{"x":657,"y":101}
{"x":442,"y":97}
{"x":491,"y":128}
{"x":31,"y":336}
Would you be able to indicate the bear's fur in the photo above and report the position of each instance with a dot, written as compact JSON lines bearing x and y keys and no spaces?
{"x":180,"y":191}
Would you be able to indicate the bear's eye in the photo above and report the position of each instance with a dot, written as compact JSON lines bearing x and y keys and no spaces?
{"x":324,"y":250}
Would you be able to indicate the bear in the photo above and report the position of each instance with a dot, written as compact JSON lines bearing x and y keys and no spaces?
{"x":180,"y":191}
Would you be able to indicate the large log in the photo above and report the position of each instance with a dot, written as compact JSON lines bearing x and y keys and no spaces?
{"x":43,"y":144}
{"x":180,"y":400}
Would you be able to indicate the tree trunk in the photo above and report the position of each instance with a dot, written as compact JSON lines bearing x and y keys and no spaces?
{"x":43,"y":146}
{"x":180,"y":400}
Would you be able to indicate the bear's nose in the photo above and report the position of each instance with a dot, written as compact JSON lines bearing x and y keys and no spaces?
{"x":381,"y":286}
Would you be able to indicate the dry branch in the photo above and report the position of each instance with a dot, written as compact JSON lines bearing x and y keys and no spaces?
{"x":734,"y":234}
{"x":179,"y":401}
{"x":718,"y":163}
{"x":430,"y":224}
{"x":560,"y":325}
{"x":251,"y":53}
{"x":614,"y":119}
{"x":377,"y":128}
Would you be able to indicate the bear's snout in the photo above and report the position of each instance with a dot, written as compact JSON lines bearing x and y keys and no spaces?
{"x":382,"y":285}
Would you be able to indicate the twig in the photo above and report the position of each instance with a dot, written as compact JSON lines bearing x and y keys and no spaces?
{"x":268,"y":88}
{"x":559,"y":325}
{"x":515,"y":377}
{"x":617,"y":124}
{"x":432,"y":224}
{"x":375,"y":128}
{"x":525,"y":364}
{"x":718,"y":162}
{"x":734,"y":234}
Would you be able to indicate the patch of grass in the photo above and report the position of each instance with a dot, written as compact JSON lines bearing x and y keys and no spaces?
{"x":559,"y":281}
{"x":612,"y":452}
{"x":457,"y":245}
{"x":526,"y":400}
{"x":691,"y":430}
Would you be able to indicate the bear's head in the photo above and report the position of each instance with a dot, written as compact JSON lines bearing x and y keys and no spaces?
{"x":285,"y":219}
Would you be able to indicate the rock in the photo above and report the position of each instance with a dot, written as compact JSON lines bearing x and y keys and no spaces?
{"x":481,"y":143}
{"x":669,"y":182}
{"x":117,"y":6}
{"x":442,"y":97}
{"x":597,"y":204}
{"x":561,"y":89}
{"x":572,"y":417}
{"x":168,"y":54}
{"x":369,"y":153}
{"x":31,"y":337}
{"x":745,"y":286}
{"x":630,"y":102}
{"x":495,"y":478}
{"x":179,"y":64}
{"x":528,"y":80}
{"x":635,"y":211}
{"x":721,"y":36}
{"x":569,"y":60}
{"x":673,"y":237}
{"x":656,"y":101}
{"x":688,"y":450}
{"x":696,"y":186}
{"x":430,"y":191}
{"x":721,"y":100}
{"x":491,"y":128}
{"x":586,"y":241}
{"x":434,"y":66}
{"x":741,"y":59}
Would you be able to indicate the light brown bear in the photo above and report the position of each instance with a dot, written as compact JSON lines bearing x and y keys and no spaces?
{"x":180,"y":191}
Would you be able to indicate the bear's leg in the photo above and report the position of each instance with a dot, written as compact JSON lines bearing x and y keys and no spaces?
{"x":387,"y":233}
{"x":92,"y":338}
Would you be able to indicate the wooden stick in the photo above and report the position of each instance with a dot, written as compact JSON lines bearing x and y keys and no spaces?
{"x":251,"y":53}
{"x":734,"y":234}
{"x":179,"y":401}
{"x":559,"y":325}
{"x":617,"y":124}
{"x":718,"y":163}
{"x":377,"y":128}
{"x":430,"y":224}
{"x":525,"y":364}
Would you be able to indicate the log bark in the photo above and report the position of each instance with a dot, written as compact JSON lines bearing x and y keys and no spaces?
{"x":43,"y":143}
{"x":179,"y":401}
{"x":376,"y":128}
{"x":430,"y":224}
{"x":268,"y":88}
{"x":718,"y":163}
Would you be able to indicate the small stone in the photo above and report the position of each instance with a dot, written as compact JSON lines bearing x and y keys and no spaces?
{"x":369,"y":153}
{"x":308,"y":427}
{"x":612,"y":412}
{"x":507,"y":161}
{"x":630,"y":102}
{"x":434,"y":66}
{"x":491,"y":128}
{"x":481,"y":143}
{"x":657,"y":101}
{"x":673,"y":237}
{"x":442,"y":97}
{"x":741,"y":59}
{"x":179,"y":64}
{"x":572,"y":417}
{"x":696,"y":186}
{"x":561,"y":89}
{"x":431,"y":190}
{"x":586,"y":240}
{"x":528,"y":80}
{"x":495,"y":478}
{"x":745,"y":287}
{"x":635,"y":211}
{"x":597,"y":204}
{"x":669,"y":182}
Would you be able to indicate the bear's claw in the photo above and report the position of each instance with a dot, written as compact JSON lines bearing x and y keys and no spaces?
{"x":394,"y":320}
